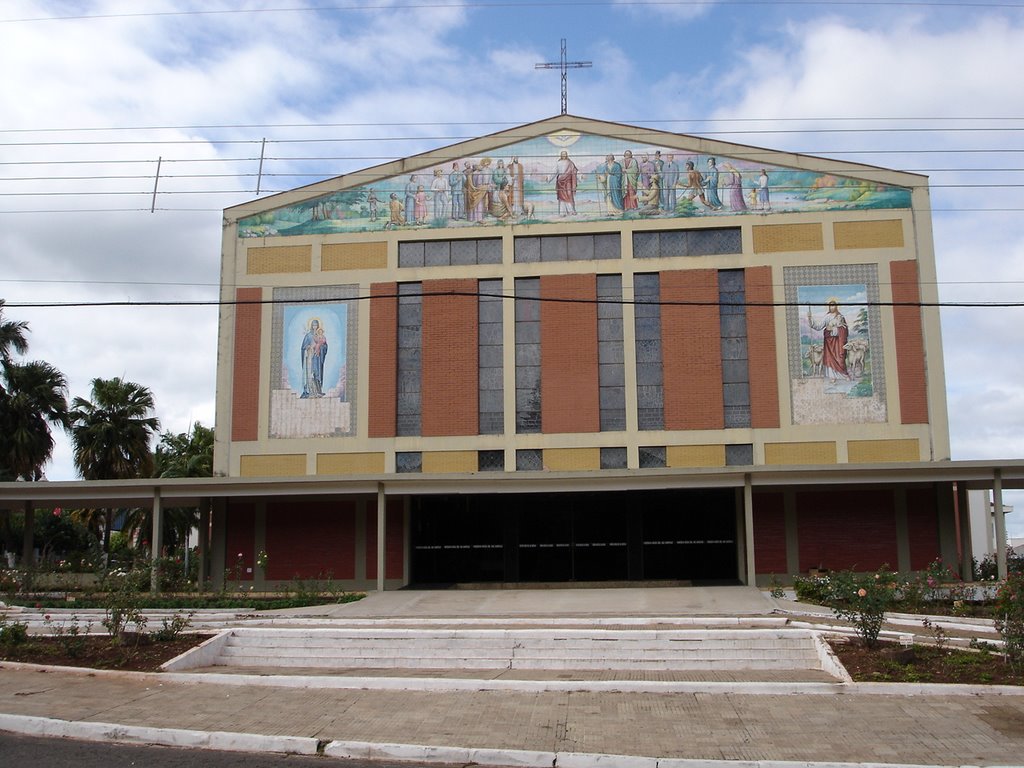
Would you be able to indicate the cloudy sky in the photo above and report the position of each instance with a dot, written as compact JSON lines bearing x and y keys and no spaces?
{"x":95,"y":94}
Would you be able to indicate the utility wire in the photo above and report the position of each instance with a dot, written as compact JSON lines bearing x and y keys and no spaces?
{"x":484,"y":294}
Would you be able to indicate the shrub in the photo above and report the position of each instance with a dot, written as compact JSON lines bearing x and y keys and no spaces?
{"x":123,"y":607}
{"x":863,"y":600}
{"x":70,"y":635}
{"x":1009,"y":618}
{"x":174,"y":626}
{"x":813,"y":589}
{"x":12,"y":633}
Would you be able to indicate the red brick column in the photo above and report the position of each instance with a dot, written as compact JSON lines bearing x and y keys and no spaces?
{"x":909,"y":344}
{"x":568,"y":355}
{"x":383,"y":359}
{"x":450,"y":391}
{"x":761,"y":365}
{"x":245,"y":383}
{"x":691,"y":350}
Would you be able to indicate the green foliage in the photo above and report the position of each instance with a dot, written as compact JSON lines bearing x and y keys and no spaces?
{"x":775,"y":588}
{"x":123,"y":606}
{"x":12,"y":633}
{"x":111,"y":432}
{"x":1009,"y":618}
{"x":863,"y":599}
{"x":813,"y":589}
{"x":987,"y":569}
{"x":173,"y":627}
{"x":33,"y":399}
{"x":69,"y":634}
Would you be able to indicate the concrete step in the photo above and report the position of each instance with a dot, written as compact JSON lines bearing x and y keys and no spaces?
{"x":520,"y":649}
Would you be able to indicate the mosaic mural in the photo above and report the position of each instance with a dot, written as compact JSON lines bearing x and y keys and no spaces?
{"x":569,"y":175}
{"x":834,"y":345}
{"x":313,"y":362}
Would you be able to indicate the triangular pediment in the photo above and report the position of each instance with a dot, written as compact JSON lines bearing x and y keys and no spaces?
{"x":573,"y":169}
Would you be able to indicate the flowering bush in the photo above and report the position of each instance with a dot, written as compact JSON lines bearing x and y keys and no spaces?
{"x":813,"y":589}
{"x":863,"y":599}
{"x":1009,"y":618}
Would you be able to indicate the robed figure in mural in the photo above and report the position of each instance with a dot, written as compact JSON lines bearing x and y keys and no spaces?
{"x":566,"y":181}
{"x":314,"y":353}
{"x":834,"y":334}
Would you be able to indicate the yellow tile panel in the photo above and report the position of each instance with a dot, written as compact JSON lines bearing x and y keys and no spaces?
{"x":873,"y":451}
{"x":335,"y":256}
{"x":823,"y":452}
{"x":449,"y":461}
{"x":275,"y":259}
{"x":571,"y":459}
{"x":695,"y":456}
{"x":869,"y":234}
{"x":273,"y":465}
{"x":775,"y":238}
{"x":349,"y":463}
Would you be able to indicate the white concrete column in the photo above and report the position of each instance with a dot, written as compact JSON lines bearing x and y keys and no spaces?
{"x":156,"y":542}
{"x":203,"y":552}
{"x":748,"y":529}
{"x":382,"y":530}
{"x":997,"y":505}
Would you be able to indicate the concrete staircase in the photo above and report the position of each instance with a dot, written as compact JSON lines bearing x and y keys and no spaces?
{"x":662,"y":650}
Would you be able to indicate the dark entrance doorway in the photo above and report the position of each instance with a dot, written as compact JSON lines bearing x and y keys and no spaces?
{"x":566,"y":537}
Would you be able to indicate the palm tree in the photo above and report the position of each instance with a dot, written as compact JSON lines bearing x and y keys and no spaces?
{"x":186,"y":454}
{"x":34,"y":400}
{"x":111,"y":432}
{"x":110,"y":435}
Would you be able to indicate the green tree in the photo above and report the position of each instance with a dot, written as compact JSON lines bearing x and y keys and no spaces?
{"x":111,"y":433}
{"x":33,"y":399}
{"x":185,"y":454}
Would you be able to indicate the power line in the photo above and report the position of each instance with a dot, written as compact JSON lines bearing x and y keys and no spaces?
{"x":484,"y":294}
{"x":545,"y":4}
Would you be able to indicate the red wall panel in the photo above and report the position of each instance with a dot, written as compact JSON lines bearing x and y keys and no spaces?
{"x":240,"y":542}
{"x":394,"y":549}
{"x":310,"y":540}
{"x":383,"y":365}
{"x":909,"y":343}
{"x":923,"y":528}
{"x":245,"y":383}
{"x":847,"y":529}
{"x":691,"y":350}
{"x":763,"y":369}
{"x":568,"y":353}
{"x":770,"y":533}
{"x":449,"y":358}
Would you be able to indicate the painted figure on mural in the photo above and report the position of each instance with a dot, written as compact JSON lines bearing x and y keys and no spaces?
{"x":834,"y":336}
{"x":630,"y":181}
{"x":396,"y":211}
{"x":763,"y":197}
{"x":499,"y":176}
{"x":566,"y":180}
{"x":421,"y":205}
{"x":516,"y":181}
{"x":711,"y":183}
{"x":646,"y":171}
{"x":410,"y":200}
{"x":609,"y":179}
{"x":669,"y":181}
{"x":314,"y":352}
{"x":734,"y":183}
{"x":439,"y":192}
{"x":457,"y":188}
{"x":694,"y":184}
{"x":650,"y":198}
{"x":372,"y":201}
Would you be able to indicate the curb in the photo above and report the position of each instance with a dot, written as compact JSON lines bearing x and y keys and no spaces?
{"x":167,"y":737}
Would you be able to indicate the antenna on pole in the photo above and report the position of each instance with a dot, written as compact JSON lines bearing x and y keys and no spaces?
{"x":564,"y":66}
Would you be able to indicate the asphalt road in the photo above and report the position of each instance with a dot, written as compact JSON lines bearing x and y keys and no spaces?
{"x":26,"y":751}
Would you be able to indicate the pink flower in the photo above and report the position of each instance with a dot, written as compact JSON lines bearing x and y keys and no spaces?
{"x":862,"y":592}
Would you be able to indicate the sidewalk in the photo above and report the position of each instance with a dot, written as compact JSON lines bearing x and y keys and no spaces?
{"x":824,"y":725}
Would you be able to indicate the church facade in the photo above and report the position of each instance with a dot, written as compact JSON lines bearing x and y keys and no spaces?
{"x":580,"y":351}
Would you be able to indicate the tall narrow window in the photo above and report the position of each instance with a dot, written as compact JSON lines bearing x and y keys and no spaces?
{"x":735,"y":371}
{"x":491,"y":393}
{"x":611,"y":367}
{"x":410,"y":349}
{"x":649,"y":384}
{"x":527,"y":354}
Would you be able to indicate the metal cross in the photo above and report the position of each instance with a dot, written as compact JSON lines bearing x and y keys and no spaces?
{"x":564,"y":66}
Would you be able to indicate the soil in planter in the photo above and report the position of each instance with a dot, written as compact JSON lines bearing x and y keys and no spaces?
{"x":141,"y":654}
{"x":891,"y":663}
